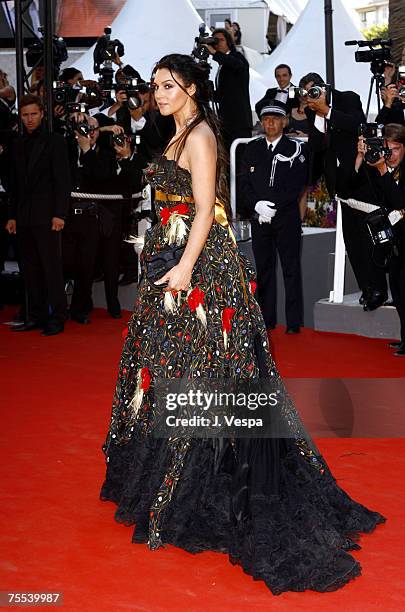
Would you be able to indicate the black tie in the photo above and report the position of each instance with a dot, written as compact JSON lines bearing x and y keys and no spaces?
{"x":282,"y":91}
{"x":270,"y":152}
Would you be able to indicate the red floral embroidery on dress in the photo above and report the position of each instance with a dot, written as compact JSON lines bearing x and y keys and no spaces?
{"x":195,"y":298}
{"x":145,"y":379}
{"x":179,"y":209}
{"x":227,"y":315}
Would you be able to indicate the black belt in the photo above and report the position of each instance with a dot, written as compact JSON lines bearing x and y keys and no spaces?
{"x":87,"y":208}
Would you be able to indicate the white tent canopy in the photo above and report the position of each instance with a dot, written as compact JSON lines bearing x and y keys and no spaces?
{"x":284,"y":8}
{"x":304,"y":50}
{"x":290,"y":9}
{"x":150,"y":29}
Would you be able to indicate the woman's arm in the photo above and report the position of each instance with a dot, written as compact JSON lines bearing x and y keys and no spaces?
{"x":200,"y":153}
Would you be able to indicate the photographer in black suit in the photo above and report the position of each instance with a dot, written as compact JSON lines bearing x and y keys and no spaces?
{"x":39,"y":200}
{"x":385,"y":180}
{"x":393,"y":110}
{"x":334,"y":124}
{"x":273,"y":176}
{"x":231,"y":88}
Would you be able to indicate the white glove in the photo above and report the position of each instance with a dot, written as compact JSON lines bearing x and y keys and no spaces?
{"x":264,"y":219}
{"x":395,"y":216}
{"x":266,"y":210}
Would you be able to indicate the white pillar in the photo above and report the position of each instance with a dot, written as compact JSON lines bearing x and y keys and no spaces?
{"x":336,"y":296}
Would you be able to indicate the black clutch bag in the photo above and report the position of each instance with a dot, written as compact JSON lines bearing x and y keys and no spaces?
{"x":157,"y":265}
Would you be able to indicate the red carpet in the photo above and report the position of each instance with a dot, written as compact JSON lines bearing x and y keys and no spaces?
{"x":57,"y":536}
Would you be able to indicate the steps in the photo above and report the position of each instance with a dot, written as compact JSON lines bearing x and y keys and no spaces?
{"x":350,"y":318}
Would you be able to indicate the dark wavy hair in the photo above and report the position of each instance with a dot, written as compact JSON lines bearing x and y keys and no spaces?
{"x":186,"y":69}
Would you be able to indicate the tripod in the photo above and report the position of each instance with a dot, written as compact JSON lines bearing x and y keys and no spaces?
{"x":377,"y":81}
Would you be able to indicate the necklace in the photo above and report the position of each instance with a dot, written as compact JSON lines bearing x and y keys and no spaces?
{"x":186,"y":124}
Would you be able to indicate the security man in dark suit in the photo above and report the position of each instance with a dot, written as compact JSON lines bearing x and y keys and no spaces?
{"x":231,"y":88}
{"x":274,"y":173}
{"x":334,"y":126}
{"x":39,"y":201}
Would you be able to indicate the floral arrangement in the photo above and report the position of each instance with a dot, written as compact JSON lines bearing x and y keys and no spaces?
{"x":321,"y":210}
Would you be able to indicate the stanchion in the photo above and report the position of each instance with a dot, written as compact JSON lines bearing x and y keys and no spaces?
{"x":336,"y":295}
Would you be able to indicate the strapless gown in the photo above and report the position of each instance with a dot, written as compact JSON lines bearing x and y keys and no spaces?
{"x":271,"y":504}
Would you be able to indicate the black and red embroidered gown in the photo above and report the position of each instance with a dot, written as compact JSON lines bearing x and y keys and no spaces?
{"x":271,"y":504}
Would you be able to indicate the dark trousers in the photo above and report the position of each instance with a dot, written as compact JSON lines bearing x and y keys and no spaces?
{"x":128,"y":257}
{"x":41,"y":262}
{"x":109,"y":250}
{"x":364,"y":259}
{"x":79,"y":245}
{"x":397,"y":285}
{"x":282,"y":236}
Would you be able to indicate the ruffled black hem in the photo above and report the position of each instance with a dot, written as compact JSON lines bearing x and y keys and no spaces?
{"x":294,"y":536}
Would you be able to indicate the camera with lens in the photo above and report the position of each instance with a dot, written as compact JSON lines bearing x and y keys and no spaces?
{"x":104,"y":54}
{"x":35,"y":52}
{"x":313,"y":93}
{"x":401,"y":83}
{"x":131,"y":88}
{"x":76,"y":107}
{"x":201,"y":52}
{"x":76,"y":126}
{"x":121,"y":139}
{"x":375,"y":143}
{"x":106,"y":50}
{"x":377,"y":57}
{"x":63,"y":93}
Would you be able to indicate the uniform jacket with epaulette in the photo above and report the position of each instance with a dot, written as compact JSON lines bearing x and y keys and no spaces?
{"x":281,"y":183}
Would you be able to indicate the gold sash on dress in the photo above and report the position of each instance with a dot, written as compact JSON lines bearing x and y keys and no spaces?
{"x":220,"y":214}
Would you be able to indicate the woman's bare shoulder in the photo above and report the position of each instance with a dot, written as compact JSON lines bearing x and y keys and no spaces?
{"x":202,"y":135}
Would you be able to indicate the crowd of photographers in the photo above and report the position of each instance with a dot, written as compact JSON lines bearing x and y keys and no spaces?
{"x":106,"y":132}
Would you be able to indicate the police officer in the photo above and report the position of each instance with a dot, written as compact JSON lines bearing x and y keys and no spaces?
{"x":273,"y":176}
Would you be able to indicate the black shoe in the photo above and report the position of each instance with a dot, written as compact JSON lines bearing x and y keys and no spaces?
{"x":362,"y":299}
{"x":53,"y":329}
{"x":293,"y":330}
{"x":374,"y":300}
{"x":28,"y":326}
{"x":115,"y":315}
{"x":128,"y":278}
{"x":400,"y":352}
{"x":397,"y":344}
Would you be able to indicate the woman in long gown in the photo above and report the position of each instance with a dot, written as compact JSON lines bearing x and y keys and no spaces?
{"x":272,"y":504}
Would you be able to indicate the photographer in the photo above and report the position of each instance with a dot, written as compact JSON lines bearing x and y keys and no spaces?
{"x":129,"y":180}
{"x":393,"y":110}
{"x":7,"y":94}
{"x":334,"y":119}
{"x":94,"y":221}
{"x":145,"y":121}
{"x":232,"y":88}
{"x":386,"y":178}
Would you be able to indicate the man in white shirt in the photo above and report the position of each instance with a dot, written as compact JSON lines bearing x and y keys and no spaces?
{"x":283,"y":75}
